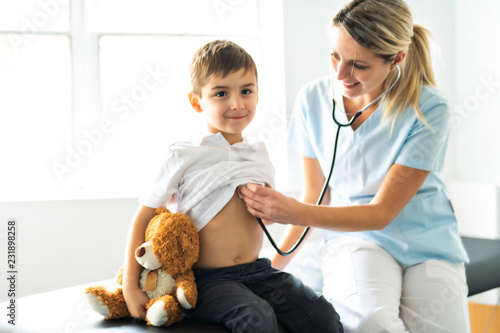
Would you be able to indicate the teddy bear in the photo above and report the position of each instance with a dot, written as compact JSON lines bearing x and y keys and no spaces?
{"x":167,"y":257}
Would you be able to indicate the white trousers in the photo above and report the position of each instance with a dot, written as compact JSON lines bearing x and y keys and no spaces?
{"x":373,"y":293}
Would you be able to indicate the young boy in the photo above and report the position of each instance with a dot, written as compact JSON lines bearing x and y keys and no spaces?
{"x":202,"y":176}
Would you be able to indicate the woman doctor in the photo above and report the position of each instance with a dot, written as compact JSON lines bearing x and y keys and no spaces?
{"x":393,"y":260}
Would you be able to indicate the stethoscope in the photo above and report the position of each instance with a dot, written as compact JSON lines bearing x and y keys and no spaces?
{"x":325,"y":186}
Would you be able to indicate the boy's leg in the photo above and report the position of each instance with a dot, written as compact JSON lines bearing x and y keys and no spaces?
{"x":435,"y":298}
{"x":364,"y":284}
{"x":297,"y":307}
{"x":223,"y":299}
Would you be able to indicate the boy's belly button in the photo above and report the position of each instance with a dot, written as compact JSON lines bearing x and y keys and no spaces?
{"x":237,"y":260}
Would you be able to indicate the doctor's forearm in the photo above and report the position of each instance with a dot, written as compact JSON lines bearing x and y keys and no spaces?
{"x":350,"y":218}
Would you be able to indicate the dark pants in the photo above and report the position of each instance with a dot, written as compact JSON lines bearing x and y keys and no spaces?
{"x":253,"y":297}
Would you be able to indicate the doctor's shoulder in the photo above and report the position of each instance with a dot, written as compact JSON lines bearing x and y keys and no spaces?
{"x":434,"y":108}
{"x":314,"y":92}
{"x":432,"y":101}
{"x":318,"y":87}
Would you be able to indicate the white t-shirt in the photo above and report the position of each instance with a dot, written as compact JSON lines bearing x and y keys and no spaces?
{"x":203,"y":173}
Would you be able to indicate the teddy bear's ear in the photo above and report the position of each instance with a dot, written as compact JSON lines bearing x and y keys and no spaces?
{"x":161,"y":210}
{"x":162,"y":214}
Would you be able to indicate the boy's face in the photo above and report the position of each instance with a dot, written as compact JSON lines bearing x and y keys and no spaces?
{"x":228,"y":103}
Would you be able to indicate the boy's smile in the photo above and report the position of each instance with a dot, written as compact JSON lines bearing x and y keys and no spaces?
{"x":228,"y":103}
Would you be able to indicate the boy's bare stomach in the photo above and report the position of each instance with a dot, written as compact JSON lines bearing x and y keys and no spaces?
{"x":232,"y":237}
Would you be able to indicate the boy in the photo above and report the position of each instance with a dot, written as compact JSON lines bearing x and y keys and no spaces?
{"x":235,"y":288}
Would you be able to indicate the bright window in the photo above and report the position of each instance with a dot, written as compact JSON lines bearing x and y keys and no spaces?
{"x":92,"y":92}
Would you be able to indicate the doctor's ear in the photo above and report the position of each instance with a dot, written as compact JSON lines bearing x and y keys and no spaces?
{"x":194,"y":100}
{"x":399,"y":58}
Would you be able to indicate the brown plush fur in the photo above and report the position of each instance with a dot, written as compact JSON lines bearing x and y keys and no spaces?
{"x":113,"y":300}
{"x":176,"y":245}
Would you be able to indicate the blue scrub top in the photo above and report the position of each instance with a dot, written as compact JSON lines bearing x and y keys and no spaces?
{"x":426,"y":228}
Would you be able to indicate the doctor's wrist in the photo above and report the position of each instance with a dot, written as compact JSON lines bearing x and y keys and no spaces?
{"x":304,"y":216}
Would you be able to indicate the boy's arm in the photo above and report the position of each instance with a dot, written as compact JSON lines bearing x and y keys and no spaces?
{"x":135,"y":298}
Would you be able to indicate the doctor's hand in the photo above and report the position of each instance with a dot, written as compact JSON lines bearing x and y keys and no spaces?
{"x":270,"y":205}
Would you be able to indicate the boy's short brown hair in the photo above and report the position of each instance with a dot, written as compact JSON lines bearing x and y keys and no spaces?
{"x":219,"y":58}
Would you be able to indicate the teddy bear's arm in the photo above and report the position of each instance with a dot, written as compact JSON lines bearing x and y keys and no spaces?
{"x":186,"y":291}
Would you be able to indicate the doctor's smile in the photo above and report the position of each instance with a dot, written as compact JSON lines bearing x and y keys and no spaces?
{"x":350,"y":85}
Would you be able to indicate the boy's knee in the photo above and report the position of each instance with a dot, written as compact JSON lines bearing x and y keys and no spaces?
{"x":256,"y":316}
{"x":324,"y":317}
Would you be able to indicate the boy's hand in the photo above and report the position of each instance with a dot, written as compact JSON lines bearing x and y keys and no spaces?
{"x":136,"y":301}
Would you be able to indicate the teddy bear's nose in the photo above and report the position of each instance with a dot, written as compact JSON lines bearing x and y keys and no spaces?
{"x":140,"y":251}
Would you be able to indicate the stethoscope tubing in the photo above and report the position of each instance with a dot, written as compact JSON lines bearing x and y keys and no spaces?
{"x":320,"y":199}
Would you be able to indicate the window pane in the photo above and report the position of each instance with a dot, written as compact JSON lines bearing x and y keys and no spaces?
{"x":34,"y":15}
{"x":35,"y":109}
{"x":236,"y":17}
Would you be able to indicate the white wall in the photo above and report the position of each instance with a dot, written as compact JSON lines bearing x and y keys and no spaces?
{"x":306,"y":43}
{"x":474,"y":154}
{"x":62,"y":243}
{"x":476,"y":137}
{"x":475,"y":151}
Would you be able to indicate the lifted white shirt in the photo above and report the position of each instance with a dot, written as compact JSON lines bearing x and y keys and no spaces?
{"x":203,"y":173}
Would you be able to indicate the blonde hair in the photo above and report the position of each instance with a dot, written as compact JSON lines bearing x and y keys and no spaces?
{"x":385,"y":27}
{"x":219,"y":58}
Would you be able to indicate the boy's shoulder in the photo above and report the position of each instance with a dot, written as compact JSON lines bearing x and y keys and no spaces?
{"x":191,"y":141}
{"x":199,"y":145}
